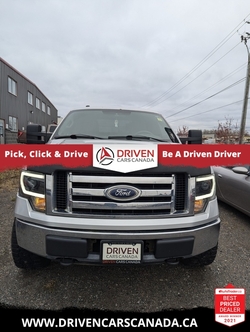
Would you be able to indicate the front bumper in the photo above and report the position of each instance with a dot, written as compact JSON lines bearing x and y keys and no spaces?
{"x":85,"y":246}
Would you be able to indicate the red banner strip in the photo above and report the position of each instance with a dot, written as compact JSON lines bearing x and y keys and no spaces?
{"x":81,"y":155}
{"x":204,"y":155}
{"x":21,"y":155}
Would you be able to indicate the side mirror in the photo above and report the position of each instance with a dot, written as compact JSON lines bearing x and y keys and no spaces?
{"x":241,"y":170}
{"x":34,"y":134}
{"x":194,"y":137}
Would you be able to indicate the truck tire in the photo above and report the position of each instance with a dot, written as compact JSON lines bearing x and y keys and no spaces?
{"x":24,"y":259}
{"x":203,"y":259}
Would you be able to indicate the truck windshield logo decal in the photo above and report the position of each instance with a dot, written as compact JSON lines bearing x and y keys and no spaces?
{"x":122,"y":193}
{"x":105,"y":156}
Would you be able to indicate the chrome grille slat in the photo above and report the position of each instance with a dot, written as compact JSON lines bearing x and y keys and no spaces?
{"x":99,"y":192}
{"x":161,"y":195}
{"x":120,"y":179}
{"x":118,"y":205}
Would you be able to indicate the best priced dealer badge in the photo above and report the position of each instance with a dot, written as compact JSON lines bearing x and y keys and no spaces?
{"x":229,"y":305}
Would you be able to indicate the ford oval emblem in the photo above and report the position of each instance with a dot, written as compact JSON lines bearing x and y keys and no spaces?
{"x":122,"y":193}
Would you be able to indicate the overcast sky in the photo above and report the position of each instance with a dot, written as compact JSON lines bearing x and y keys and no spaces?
{"x":181,"y":58}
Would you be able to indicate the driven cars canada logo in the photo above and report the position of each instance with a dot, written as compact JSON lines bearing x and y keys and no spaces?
{"x":105,"y":156}
{"x":125,"y":157}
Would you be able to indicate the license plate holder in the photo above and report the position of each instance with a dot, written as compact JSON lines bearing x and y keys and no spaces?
{"x":120,"y":252}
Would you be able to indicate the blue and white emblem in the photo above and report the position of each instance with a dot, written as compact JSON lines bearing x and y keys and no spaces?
{"x":122,"y":193}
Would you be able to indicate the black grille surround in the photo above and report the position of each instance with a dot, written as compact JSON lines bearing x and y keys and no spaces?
{"x":82,"y":194}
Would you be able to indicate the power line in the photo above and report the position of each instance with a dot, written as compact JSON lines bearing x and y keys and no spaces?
{"x":213,"y":95}
{"x":214,"y":109}
{"x":213,"y":85}
{"x":198,"y":65}
{"x":198,"y":75}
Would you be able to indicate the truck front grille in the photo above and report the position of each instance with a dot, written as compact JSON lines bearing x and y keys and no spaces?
{"x":82,"y":194}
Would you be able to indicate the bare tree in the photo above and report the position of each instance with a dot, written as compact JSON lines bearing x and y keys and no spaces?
{"x":182,"y":131}
{"x":227,"y":131}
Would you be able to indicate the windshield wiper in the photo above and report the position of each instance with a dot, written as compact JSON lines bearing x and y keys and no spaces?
{"x":75,"y":136}
{"x":131,"y":137}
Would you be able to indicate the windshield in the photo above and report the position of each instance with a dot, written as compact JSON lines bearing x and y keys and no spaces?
{"x":115,"y":124}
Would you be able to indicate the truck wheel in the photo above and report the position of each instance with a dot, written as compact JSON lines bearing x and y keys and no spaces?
{"x":203,"y":259}
{"x":24,"y":259}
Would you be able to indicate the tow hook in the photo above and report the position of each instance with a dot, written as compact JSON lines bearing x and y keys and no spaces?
{"x":66,"y":261}
{"x":173,"y":261}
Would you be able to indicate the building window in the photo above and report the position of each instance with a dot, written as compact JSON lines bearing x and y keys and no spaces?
{"x":30,"y":98}
{"x":43,"y":107}
{"x":12,"y":86}
{"x":12,"y":123}
{"x":38,"y":103}
{"x":48,"y":110}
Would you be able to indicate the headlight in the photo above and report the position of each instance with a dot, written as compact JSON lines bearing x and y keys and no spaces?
{"x":204,"y":191}
{"x":32,"y":186}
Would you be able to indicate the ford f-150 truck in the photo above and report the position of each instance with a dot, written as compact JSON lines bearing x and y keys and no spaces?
{"x":123,"y":211}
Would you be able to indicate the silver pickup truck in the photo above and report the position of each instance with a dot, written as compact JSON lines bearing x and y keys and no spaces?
{"x":110,"y":215}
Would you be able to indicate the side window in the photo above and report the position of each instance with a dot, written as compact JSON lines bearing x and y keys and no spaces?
{"x":30,"y":98}
{"x":38,"y":103}
{"x":12,"y":123}
{"x":12,"y":86}
{"x":43,"y":107}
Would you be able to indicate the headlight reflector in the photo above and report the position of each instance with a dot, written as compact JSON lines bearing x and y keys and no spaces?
{"x":33,"y":186}
{"x":205,"y":187}
{"x":204,"y":191}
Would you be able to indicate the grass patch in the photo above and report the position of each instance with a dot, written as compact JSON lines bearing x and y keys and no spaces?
{"x":9,"y":179}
